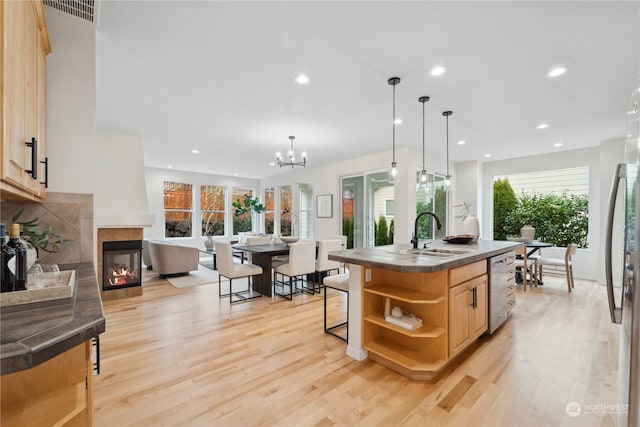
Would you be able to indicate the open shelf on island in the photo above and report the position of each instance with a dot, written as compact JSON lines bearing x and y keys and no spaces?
{"x":405,"y":294}
{"x":404,"y":356}
{"x":425,"y":331}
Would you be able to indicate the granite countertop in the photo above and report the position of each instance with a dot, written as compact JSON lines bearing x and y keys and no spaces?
{"x":394,"y":257}
{"x":34,"y":333}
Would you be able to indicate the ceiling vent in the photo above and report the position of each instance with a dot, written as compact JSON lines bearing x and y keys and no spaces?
{"x":83,"y":9}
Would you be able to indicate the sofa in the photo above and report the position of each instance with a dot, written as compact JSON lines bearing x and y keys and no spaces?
{"x":169,"y":259}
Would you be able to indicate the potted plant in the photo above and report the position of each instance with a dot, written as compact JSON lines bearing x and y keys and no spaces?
{"x":470,"y":222}
{"x":38,"y":238}
{"x":248,"y":205}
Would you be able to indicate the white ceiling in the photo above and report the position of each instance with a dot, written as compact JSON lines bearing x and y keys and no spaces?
{"x":219,"y":77}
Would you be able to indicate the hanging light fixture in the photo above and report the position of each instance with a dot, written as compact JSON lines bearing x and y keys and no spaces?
{"x":393,"y":172}
{"x":292,"y":159}
{"x":423,"y":173}
{"x":448,"y":177}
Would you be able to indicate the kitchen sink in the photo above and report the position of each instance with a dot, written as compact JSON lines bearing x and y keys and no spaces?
{"x":431,"y":252}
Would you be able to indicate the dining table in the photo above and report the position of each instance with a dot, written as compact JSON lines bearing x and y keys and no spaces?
{"x":261,"y":255}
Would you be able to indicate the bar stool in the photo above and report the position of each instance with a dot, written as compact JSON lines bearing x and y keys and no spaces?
{"x":338,"y":282}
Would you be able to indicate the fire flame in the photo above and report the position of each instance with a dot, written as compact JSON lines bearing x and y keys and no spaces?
{"x":121,"y":275}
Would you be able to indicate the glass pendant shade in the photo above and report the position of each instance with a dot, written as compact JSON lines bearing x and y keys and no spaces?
{"x":393,"y":171}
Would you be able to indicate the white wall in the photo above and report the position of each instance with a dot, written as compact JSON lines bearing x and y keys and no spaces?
{"x":155,"y":178}
{"x":71,"y":104}
{"x":121,"y":193}
{"x":587,"y":262}
{"x":466,"y":187}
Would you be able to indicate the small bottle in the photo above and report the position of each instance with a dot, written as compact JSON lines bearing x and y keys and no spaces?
{"x":7,"y":262}
{"x":20,"y":272}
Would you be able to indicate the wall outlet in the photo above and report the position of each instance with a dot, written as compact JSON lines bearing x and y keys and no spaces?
{"x":367,"y":275}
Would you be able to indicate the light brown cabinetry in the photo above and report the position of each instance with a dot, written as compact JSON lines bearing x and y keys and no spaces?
{"x":511,"y":281}
{"x":418,"y":354}
{"x":58,"y":392}
{"x":468,"y":313}
{"x":25,"y":44}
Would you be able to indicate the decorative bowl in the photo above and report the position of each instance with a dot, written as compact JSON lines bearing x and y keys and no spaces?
{"x":459,"y":239}
{"x":289,"y":239}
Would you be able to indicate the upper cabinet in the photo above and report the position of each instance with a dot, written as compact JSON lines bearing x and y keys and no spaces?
{"x":25,"y":44}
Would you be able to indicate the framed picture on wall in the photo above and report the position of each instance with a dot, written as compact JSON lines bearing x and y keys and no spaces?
{"x":324,"y":206}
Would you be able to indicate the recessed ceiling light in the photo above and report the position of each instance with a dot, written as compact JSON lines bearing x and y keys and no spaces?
{"x":170,"y":167}
{"x":195,"y":151}
{"x":557,"y":71}
{"x":558,"y":144}
{"x":542,"y":126}
{"x":438,"y":70}
{"x":235,"y":174}
{"x":302,"y":79}
{"x":462,"y":142}
{"x":397,"y":121}
{"x":272,"y":164}
{"x":487,"y":155}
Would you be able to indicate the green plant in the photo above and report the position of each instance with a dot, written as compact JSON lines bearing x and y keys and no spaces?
{"x":391,"y":230}
{"x":347,"y":230}
{"x":504,"y":202}
{"x":40,"y":238}
{"x":383,"y":232}
{"x":247,"y":205}
{"x":558,"y":219}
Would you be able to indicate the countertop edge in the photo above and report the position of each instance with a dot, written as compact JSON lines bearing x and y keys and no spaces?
{"x":381,"y":256}
{"x":86,"y":322}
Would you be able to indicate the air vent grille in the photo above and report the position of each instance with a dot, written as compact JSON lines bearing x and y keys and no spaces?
{"x":81,"y":8}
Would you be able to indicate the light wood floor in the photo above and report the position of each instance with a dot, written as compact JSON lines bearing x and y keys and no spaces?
{"x":181,"y":357}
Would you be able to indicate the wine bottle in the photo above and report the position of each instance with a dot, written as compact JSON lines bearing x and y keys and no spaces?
{"x":7,"y":262}
{"x":20,"y":272}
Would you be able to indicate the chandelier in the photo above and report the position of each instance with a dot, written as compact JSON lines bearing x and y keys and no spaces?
{"x":291,"y":157}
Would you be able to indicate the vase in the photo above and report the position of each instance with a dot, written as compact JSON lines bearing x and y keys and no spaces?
{"x":527,"y":232}
{"x":471,"y":226}
{"x":208,"y":243}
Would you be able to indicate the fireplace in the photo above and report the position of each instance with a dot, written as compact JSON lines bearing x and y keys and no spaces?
{"x":121,"y":264}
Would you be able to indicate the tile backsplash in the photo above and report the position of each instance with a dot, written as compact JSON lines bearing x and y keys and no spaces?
{"x":69,"y":214}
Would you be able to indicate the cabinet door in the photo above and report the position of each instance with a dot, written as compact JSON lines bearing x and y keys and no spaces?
{"x":459,"y":318}
{"x":480,"y":314}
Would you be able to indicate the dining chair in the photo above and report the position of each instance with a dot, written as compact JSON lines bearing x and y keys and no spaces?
{"x":256,"y":240}
{"x":302,"y":261}
{"x":522,"y":262}
{"x":323,"y":263}
{"x":230,"y":270}
{"x":343,"y":239}
{"x":339,"y":282}
{"x":558,"y":262}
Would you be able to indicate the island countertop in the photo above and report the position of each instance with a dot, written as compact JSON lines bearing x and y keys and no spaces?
{"x":34,"y":333}
{"x":396,"y":258}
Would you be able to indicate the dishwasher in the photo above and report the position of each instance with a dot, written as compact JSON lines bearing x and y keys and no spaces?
{"x":498,"y":282}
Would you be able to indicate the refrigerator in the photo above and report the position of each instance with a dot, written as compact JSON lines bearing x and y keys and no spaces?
{"x":624,"y":291}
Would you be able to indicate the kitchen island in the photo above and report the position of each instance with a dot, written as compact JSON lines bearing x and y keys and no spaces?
{"x":45,"y":355}
{"x":446,"y":286}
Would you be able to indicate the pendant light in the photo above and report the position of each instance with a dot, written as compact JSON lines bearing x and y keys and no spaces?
{"x":448,"y":177}
{"x":393,"y":172}
{"x":423,"y":173}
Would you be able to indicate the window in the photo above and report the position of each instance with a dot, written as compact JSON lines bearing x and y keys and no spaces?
{"x":306,"y":211}
{"x":241,"y":222}
{"x":212,"y":206}
{"x":269,"y":214}
{"x":388,"y":207}
{"x":286,"y":204}
{"x":431,"y":197}
{"x":178,"y":209}
{"x":554,"y":202}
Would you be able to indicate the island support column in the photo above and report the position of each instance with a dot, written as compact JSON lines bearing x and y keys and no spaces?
{"x":356,"y":278}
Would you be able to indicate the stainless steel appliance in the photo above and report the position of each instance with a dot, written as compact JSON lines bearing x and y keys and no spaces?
{"x":624,"y":294}
{"x":498,"y":282}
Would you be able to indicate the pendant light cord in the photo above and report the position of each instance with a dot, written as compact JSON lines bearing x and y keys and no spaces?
{"x":393,"y":122}
{"x":447,"y":145}
{"x":423,"y":136}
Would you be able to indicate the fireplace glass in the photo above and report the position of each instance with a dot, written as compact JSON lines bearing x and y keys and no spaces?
{"x":121,"y":264}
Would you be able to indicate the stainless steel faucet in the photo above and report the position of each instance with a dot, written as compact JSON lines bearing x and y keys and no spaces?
{"x":414,"y":239}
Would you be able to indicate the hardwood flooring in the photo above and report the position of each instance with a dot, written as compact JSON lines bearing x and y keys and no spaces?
{"x":182,"y":357}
